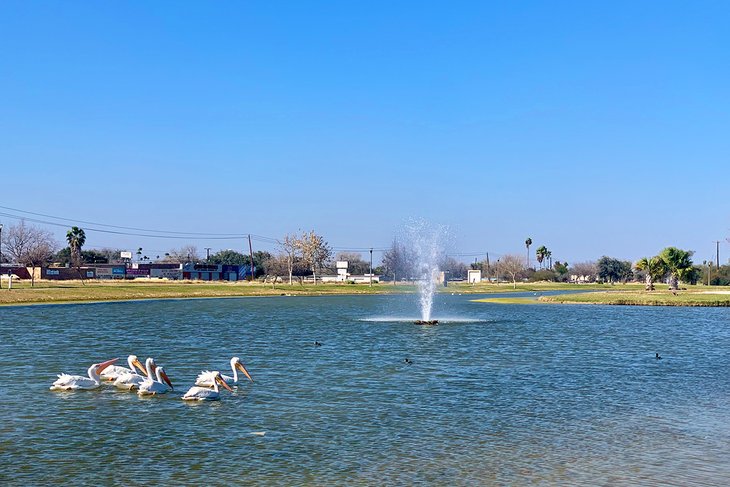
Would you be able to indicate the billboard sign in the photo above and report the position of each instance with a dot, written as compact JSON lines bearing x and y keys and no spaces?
{"x":125,"y":255}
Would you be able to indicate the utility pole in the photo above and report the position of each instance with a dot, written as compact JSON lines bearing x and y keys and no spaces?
{"x":717,"y":262}
{"x":488,"y":270}
{"x":371,"y":267}
{"x":207,"y":255}
{"x":250,"y":250}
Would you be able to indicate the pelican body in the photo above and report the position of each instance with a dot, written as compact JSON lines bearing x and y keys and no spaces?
{"x":66,"y":382}
{"x":133,"y":380}
{"x":113,"y":372}
{"x":205,"y":378}
{"x":151,"y":387}
{"x":197,"y":393}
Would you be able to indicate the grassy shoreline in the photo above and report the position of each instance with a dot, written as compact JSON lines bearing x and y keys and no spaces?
{"x":692,"y":296}
{"x":69,"y":292}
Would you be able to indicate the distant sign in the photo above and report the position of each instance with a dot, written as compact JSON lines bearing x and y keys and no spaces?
{"x":174,"y":274}
{"x":125,"y":255}
{"x":53,"y":272}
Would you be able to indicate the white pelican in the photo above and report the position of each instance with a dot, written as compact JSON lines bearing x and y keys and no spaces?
{"x":205,"y":378}
{"x":113,"y":372}
{"x":67,"y":382}
{"x":196,"y":393}
{"x":133,"y":380}
{"x":150,"y":387}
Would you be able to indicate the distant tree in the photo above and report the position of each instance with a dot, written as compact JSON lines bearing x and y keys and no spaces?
{"x":585,"y":271}
{"x":16,"y":240}
{"x":39,"y":253}
{"x":315,"y":251}
{"x":540,"y":254}
{"x":654,"y":269}
{"x":229,"y":257}
{"x":549,"y":258}
{"x":29,"y":245}
{"x":528,"y":242}
{"x":453,"y":268}
{"x":511,"y":265}
{"x":612,"y":270}
{"x":76,"y":238}
{"x":355,"y":263}
{"x":398,"y":261}
{"x":260,"y":261}
{"x":94,"y":257}
{"x":679,"y":265}
{"x":561,"y":268}
{"x":291,"y":248}
{"x":188,"y":253}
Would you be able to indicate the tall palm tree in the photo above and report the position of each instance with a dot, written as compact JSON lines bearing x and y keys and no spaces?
{"x":679,"y":264}
{"x":655,"y":269}
{"x":549,"y":258}
{"x":76,"y":239}
{"x":528,"y":242}
{"x":540,"y":254}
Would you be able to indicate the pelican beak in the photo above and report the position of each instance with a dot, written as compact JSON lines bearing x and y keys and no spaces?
{"x":104,"y":365}
{"x":240,"y":367}
{"x":166,"y":379}
{"x":139,"y":365}
{"x":223,"y":383}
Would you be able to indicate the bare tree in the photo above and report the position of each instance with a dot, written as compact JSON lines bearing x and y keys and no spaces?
{"x":17,"y":239}
{"x":584,"y":271}
{"x":512,"y":265}
{"x":315,"y":251}
{"x":29,"y":245}
{"x":291,"y":247}
{"x":188,"y":253}
{"x":39,"y":252}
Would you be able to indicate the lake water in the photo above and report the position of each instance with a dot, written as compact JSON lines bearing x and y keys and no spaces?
{"x":496,"y":394}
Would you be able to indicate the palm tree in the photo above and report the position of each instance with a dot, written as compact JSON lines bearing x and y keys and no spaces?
{"x":528,"y":242}
{"x":549,"y":258}
{"x":679,"y":264}
{"x":540,"y":254}
{"x":655,"y":269}
{"x":76,"y":239}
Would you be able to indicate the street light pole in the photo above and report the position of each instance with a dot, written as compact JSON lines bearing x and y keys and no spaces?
{"x":371,"y":267}
{"x":207,"y":255}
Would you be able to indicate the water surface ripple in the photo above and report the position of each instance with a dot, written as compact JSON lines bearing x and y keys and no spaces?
{"x":501,"y":394}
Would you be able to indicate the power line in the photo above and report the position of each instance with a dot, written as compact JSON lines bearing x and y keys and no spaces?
{"x":119,"y":226}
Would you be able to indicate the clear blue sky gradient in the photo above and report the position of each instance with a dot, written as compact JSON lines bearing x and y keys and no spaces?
{"x":593,"y":127}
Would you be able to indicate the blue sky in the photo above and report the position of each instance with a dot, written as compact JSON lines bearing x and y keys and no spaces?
{"x":594,"y":128}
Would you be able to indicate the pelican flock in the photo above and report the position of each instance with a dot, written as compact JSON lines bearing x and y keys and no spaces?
{"x":152,"y":381}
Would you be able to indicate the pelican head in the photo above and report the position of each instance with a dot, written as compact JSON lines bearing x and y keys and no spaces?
{"x":162,"y":377}
{"x":134,"y":362}
{"x":221,"y":382}
{"x":96,"y":369}
{"x":236,"y":362}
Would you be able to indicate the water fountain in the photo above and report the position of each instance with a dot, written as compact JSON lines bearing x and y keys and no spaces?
{"x":427,"y":243}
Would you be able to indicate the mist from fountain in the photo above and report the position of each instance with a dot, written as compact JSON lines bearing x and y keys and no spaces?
{"x":427,"y":244}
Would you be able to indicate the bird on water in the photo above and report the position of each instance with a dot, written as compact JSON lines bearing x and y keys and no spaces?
{"x":657,"y":356}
